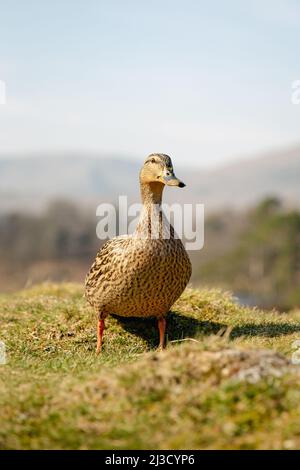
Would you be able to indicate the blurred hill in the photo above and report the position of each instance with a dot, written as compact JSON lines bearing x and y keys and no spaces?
{"x":31,"y":182}
{"x":244,"y":183}
{"x":48,"y":221}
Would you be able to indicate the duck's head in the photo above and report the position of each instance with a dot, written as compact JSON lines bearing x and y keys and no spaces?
{"x":158,"y":168}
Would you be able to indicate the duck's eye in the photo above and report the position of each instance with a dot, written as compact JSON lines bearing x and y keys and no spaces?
{"x":152,"y":160}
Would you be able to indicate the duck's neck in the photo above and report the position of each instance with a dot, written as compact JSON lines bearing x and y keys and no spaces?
{"x":151,"y":193}
{"x":152,"y":221}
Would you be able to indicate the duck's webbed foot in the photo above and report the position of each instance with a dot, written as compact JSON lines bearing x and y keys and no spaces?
{"x":162,"y":329}
{"x":100,"y":330}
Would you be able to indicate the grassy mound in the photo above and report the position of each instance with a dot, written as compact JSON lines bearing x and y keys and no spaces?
{"x":225,"y":380}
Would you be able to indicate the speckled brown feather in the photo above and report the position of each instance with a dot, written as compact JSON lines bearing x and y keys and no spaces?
{"x":137,"y":275}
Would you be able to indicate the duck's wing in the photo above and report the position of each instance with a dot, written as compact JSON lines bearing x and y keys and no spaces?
{"x":107,"y":262}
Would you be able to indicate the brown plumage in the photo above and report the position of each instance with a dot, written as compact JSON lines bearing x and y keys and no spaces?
{"x":143,"y":274}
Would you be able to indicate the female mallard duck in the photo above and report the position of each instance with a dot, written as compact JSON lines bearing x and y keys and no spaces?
{"x":143,"y":274}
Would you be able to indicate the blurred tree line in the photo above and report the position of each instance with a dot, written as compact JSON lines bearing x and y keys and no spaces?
{"x":254,"y":253}
{"x":57,"y":245}
{"x":61,"y":232}
{"x":263,"y":266}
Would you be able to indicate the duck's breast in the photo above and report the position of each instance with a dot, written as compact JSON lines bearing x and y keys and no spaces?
{"x":154,"y":273}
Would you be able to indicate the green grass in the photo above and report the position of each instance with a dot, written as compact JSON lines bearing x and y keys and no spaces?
{"x":224,"y":381}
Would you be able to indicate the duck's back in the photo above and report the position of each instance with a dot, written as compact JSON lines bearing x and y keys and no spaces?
{"x":138,"y":277}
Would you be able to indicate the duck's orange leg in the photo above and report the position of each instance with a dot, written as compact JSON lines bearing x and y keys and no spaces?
{"x":162,"y":329}
{"x":100,"y":330}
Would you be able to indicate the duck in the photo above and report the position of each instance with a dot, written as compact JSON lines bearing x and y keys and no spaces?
{"x":141,"y":274}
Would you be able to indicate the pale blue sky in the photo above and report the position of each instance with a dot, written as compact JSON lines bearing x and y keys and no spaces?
{"x":203,"y":81}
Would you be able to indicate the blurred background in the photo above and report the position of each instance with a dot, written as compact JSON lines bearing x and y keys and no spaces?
{"x":93,"y":87}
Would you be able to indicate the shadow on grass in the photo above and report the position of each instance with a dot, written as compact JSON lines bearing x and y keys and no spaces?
{"x":178,"y":327}
{"x":181,"y":326}
{"x":269,"y":330}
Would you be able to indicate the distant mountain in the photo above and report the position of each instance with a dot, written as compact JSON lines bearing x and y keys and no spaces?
{"x":245,"y":182}
{"x":31,"y":182}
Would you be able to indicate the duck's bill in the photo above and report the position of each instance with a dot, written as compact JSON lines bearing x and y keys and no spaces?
{"x":173,"y":181}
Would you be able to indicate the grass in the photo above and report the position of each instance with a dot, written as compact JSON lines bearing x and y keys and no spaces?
{"x":225,"y":380}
